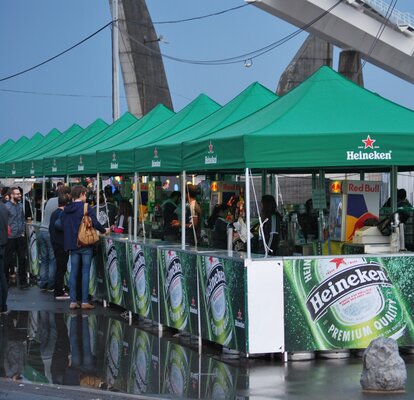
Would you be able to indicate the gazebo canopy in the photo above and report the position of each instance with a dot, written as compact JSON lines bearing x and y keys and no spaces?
{"x":165,"y":154}
{"x":325,"y":122}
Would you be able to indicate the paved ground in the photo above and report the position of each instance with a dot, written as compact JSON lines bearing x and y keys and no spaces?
{"x":101,"y":356}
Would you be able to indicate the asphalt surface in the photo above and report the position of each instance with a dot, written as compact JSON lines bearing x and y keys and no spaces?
{"x":59,"y":354}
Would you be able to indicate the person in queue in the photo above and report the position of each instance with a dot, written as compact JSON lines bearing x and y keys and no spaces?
{"x":220,"y":226}
{"x":170,"y":209}
{"x":16,"y":243}
{"x":192,"y":216}
{"x":71,"y":220}
{"x":3,"y":243}
{"x":5,"y":194}
{"x":125,"y":211}
{"x":57,"y":240}
{"x":271,"y":220}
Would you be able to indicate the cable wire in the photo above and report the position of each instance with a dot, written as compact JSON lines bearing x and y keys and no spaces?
{"x":197,"y":18}
{"x":381,"y":29}
{"x":57,"y":55}
{"x":242,"y":57}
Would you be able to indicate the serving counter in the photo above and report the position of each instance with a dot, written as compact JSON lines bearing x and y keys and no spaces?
{"x":257,"y":305}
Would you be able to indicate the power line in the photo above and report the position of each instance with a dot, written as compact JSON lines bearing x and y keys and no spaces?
{"x":56,"y":56}
{"x":105,"y":26}
{"x":242,"y":57}
{"x":196,"y":18}
{"x":381,"y":29}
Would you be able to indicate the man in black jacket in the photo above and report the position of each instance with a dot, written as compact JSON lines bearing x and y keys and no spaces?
{"x":3,"y":243}
{"x":57,"y":240}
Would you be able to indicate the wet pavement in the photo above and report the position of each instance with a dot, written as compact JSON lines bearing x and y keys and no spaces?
{"x":46,"y":351}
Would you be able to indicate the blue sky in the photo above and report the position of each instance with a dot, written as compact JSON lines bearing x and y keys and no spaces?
{"x":76,"y":88}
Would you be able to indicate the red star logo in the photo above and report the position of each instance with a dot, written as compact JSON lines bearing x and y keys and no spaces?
{"x":211,"y":259}
{"x":338,"y":262}
{"x":210,"y":148}
{"x":369,"y":142}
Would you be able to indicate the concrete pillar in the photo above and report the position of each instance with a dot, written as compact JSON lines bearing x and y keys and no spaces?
{"x":313,"y":54}
{"x":350,"y":66}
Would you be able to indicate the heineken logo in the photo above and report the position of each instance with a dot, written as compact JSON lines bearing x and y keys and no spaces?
{"x":216,"y":279}
{"x":114,"y":163}
{"x":54,"y":167}
{"x":32,"y":168}
{"x":155,"y":163}
{"x":81,"y":167}
{"x":174,"y":272}
{"x":342,"y":284}
{"x":368,"y":151}
{"x":210,"y":158}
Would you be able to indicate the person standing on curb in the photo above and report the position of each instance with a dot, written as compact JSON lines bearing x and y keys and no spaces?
{"x":3,"y":243}
{"x":47,"y":271}
{"x":57,"y":240}
{"x":71,"y":220}
{"x":16,"y":242}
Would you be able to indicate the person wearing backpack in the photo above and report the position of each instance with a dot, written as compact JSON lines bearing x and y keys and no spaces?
{"x":72,"y":217}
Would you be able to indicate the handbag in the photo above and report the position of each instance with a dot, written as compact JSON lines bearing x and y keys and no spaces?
{"x":87,"y":235}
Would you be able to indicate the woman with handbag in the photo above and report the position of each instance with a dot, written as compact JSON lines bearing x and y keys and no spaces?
{"x":79,"y":225}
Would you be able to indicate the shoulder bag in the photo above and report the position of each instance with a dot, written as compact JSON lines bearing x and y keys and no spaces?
{"x":87,"y":235}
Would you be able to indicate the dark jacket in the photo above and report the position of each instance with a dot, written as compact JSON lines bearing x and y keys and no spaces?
{"x":56,"y":228}
{"x":3,"y":224}
{"x":16,"y":219}
{"x":71,"y":220}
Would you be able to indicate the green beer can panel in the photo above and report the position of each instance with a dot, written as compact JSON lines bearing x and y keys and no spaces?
{"x":32,"y":232}
{"x":113,"y":275}
{"x":174,"y":289}
{"x":139,"y":270}
{"x":222,"y":296}
{"x":343,"y":303}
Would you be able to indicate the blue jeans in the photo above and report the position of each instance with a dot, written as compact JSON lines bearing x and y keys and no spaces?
{"x":47,"y":271}
{"x":80,"y":256}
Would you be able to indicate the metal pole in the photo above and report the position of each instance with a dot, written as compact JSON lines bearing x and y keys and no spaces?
{"x":67,"y":181}
{"x":42,"y":211}
{"x":393,"y":182}
{"x":98,"y":189}
{"x":247,"y":180}
{"x":115,"y":61}
{"x":183,"y":202}
{"x":136,"y":205}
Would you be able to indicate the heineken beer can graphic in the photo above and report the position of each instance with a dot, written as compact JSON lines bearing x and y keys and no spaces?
{"x":214,"y":289}
{"x":114,"y":351}
{"x":141,"y":363}
{"x":177,"y":371}
{"x":347,"y":301}
{"x":33,"y":253}
{"x":140,"y":281}
{"x":113,"y":273}
{"x":174,"y":290}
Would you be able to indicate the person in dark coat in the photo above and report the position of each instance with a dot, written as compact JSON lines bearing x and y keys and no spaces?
{"x":57,"y":240}
{"x":71,"y":220}
{"x":3,"y":243}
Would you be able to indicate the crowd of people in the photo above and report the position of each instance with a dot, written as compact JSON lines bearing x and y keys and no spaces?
{"x":57,"y":239}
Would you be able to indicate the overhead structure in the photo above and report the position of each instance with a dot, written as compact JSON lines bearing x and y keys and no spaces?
{"x":143,"y":72}
{"x":355,"y":25}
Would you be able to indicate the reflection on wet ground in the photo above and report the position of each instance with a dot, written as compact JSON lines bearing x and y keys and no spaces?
{"x":100,"y":350}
